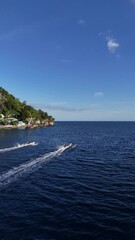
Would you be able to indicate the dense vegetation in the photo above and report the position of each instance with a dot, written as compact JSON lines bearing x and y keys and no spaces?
{"x":12,"y":107}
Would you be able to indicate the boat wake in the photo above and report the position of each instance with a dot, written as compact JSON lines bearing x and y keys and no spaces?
{"x":31,"y":166}
{"x":18,"y":146}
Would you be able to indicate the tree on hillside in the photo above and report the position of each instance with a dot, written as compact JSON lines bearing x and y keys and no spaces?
{"x":12,"y":107}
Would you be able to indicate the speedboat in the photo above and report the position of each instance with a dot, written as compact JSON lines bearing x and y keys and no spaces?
{"x":68,"y":145}
{"x":31,"y":143}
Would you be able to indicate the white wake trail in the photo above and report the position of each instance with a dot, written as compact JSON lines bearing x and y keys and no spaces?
{"x":17,"y":146}
{"x":31,"y":166}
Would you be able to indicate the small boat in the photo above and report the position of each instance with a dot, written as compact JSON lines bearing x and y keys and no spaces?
{"x":31,"y":143}
{"x":26,"y":144}
{"x":68,"y":145}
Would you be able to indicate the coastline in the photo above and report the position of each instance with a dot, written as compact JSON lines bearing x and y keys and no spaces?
{"x":27,"y":126}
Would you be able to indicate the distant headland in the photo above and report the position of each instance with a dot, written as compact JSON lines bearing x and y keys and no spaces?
{"x":17,"y":114}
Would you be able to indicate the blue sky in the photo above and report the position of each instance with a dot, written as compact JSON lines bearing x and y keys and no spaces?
{"x":74,"y":59}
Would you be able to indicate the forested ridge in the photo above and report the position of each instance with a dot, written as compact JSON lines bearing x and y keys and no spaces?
{"x":11,"y":106}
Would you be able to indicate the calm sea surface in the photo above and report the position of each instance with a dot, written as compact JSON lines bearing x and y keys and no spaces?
{"x":48,"y":192}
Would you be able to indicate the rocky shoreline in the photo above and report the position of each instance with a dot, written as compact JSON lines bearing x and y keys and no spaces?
{"x":27,"y":126}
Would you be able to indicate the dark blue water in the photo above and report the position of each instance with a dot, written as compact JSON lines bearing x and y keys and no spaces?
{"x":87,"y":192}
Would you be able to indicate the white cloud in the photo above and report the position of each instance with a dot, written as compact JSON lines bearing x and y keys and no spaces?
{"x":63,"y":108}
{"x":98,"y":94}
{"x":112,"y":44}
{"x":82,"y":22}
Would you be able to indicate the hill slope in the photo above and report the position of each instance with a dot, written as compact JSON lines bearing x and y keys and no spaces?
{"x":12,"y":107}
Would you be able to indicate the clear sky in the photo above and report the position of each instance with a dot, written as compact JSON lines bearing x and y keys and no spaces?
{"x":74,"y":59}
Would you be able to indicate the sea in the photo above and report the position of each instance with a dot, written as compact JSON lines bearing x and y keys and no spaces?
{"x":77,"y":182}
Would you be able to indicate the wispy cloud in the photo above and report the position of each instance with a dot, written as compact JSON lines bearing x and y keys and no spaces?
{"x":10,"y":35}
{"x":81,"y":22}
{"x":118,"y":56}
{"x":112,"y":44}
{"x":65,"y":60}
{"x":19,"y":31}
{"x":98,"y":94}
{"x":62,"y":108}
{"x":58,"y":103}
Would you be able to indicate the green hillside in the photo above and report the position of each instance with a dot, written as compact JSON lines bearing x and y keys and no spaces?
{"x":13,"y":107}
